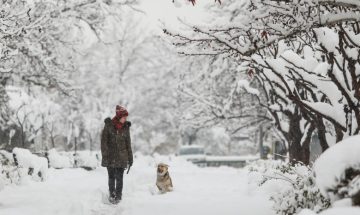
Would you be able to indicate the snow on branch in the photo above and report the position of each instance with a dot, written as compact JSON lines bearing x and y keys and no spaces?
{"x":245,"y":85}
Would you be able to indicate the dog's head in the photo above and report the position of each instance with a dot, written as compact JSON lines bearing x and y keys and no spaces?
{"x":162,"y":168}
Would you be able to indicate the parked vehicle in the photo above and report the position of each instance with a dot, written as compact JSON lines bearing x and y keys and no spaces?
{"x":196,"y":154}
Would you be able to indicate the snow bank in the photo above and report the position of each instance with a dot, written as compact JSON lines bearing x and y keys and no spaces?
{"x":29,"y":164}
{"x":58,"y":161}
{"x":330,"y":168}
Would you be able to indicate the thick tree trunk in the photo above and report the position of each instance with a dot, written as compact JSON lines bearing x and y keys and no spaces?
{"x":299,"y":151}
{"x":294,"y":139}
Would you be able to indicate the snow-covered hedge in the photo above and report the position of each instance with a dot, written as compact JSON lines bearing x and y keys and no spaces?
{"x":8,"y":170}
{"x":20,"y":166}
{"x":59,"y":161}
{"x":292,"y":188}
{"x":30,"y":164}
{"x":338,"y":170}
{"x":87,"y":159}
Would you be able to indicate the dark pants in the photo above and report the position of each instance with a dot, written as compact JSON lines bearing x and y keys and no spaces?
{"x":115,"y":177}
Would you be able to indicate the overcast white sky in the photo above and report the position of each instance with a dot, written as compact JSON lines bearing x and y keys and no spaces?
{"x":167,"y":12}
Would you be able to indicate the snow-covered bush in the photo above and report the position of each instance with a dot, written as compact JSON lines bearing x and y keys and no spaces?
{"x":29,"y":164}
{"x":338,"y":170}
{"x":20,"y":166}
{"x":8,"y":170}
{"x":87,"y":159}
{"x":58,"y":161}
{"x":292,"y":188}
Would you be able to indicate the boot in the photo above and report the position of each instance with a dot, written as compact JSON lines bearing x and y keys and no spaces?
{"x":118,"y":197}
{"x":112,"y":198}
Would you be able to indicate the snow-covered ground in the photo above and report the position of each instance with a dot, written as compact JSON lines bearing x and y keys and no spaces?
{"x":197,"y":191}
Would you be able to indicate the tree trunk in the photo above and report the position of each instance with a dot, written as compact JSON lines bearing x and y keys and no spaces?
{"x":52,"y":141}
{"x":321,"y":130}
{"x":298,"y":151}
{"x":261,"y":142}
{"x":294,"y":139}
{"x":339,"y":134}
{"x":22,"y":137}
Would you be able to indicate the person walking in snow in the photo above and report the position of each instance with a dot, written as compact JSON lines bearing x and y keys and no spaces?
{"x":116,"y":151}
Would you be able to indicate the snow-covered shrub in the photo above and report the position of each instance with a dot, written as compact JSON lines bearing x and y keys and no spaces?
{"x":338,"y":170}
{"x":21,"y":165}
{"x":292,"y":188}
{"x":8,"y":170}
{"x":87,"y":160}
{"x":58,"y":161}
{"x":30,"y":164}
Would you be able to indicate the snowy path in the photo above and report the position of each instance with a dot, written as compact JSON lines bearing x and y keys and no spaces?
{"x":197,"y":191}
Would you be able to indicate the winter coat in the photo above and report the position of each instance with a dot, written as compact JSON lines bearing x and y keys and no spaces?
{"x":116,"y":145}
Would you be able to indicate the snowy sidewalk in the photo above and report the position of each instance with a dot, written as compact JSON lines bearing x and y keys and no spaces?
{"x":198,"y":191}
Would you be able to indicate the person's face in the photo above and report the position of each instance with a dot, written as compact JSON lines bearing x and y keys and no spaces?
{"x":123,"y":119}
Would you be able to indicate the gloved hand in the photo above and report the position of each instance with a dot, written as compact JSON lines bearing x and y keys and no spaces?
{"x":129,"y":166}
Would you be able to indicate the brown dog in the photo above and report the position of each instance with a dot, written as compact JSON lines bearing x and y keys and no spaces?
{"x":163,"y":181}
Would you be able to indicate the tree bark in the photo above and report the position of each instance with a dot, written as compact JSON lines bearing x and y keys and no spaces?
{"x":299,"y":151}
{"x":321,"y":130}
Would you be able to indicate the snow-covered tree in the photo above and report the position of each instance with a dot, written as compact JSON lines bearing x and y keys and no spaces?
{"x":39,"y":40}
{"x":131,"y":68}
{"x":305,"y":55}
{"x":215,"y":92}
